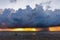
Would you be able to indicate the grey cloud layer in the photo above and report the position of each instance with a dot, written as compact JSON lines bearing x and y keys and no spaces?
{"x":29,"y":17}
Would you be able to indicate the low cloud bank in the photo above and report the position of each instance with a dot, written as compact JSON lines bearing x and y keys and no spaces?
{"x":29,"y":17}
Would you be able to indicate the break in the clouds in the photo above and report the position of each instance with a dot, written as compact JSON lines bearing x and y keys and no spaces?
{"x":18,"y":3}
{"x":22,"y":3}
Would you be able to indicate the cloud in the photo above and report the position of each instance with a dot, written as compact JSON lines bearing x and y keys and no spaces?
{"x":29,"y":17}
{"x":12,"y":1}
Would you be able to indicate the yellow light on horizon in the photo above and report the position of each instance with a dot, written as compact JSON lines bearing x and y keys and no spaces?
{"x":20,"y":29}
{"x":57,"y":28}
{"x":24,"y":29}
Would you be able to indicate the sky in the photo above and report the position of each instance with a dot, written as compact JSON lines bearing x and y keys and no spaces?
{"x":49,"y":18}
{"x":22,"y":3}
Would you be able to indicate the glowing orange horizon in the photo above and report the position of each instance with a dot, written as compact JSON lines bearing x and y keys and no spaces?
{"x":57,"y":28}
{"x":20,"y":29}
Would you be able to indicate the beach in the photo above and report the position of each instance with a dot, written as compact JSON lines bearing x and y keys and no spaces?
{"x":30,"y":35}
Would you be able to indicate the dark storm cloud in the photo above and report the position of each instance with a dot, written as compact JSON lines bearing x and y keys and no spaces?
{"x":29,"y":17}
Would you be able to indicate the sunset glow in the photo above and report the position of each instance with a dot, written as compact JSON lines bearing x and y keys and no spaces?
{"x":57,"y":28}
{"x":20,"y":29}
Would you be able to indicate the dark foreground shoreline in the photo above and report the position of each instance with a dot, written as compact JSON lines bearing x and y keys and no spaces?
{"x":30,"y":35}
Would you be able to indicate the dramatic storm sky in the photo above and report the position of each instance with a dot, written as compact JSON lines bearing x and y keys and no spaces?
{"x":22,"y":3}
{"x":37,"y":17}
